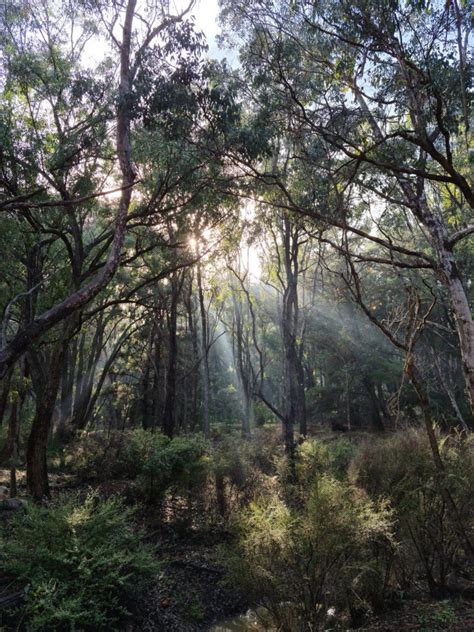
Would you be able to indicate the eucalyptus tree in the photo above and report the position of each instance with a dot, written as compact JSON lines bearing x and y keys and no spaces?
{"x":58,"y":161}
{"x":375,"y":97}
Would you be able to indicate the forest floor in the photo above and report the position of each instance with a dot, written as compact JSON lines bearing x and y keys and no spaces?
{"x":193,"y":592}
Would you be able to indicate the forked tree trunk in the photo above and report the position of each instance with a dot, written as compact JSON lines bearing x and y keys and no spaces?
{"x":447,"y":270}
{"x":450,"y":277}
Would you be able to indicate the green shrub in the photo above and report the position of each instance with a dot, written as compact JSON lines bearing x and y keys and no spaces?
{"x":341,"y":454}
{"x":242,"y":469}
{"x":104,"y":456}
{"x":315,"y":457}
{"x":333,"y":552}
{"x":312,"y":460}
{"x":179,"y":464}
{"x":80,"y":563}
{"x":401,"y":468}
{"x":157,"y":461}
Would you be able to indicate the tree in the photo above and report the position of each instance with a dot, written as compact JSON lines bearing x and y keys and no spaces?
{"x":29,"y":332}
{"x":374,"y":97}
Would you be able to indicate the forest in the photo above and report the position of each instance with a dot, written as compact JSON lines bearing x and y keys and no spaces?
{"x":236,"y":334}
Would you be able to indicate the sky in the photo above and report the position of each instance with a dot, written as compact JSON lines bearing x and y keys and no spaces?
{"x":206,"y":13}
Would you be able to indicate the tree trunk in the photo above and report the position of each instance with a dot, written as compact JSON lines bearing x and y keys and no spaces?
{"x":206,"y":428}
{"x":242,"y":363}
{"x":450,"y":277}
{"x":145,"y":415}
{"x":169,"y":411}
{"x":295,"y":404}
{"x":4,"y":394}
{"x":36,"y":465}
{"x":15,"y":431}
{"x":448,"y":272}
{"x":7,"y":449}
{"x":465,"y":331}
{"x":34,"y":329}
{"x":11,"y":442}
{"x":456,"y":517}
{"x":157,"y":398}
{"x":376,"y":417}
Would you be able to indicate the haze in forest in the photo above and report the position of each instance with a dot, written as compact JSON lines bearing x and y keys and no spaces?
{"x":236,"y":338}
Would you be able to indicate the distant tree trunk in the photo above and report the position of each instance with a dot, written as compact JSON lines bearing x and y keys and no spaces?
{"x":86,"y":375}
{"x":361,"y":363}
{"x":145,"y":414}
{"x":14,"y":430}
{"x":65,"y":408}
{"x":157,"y":399}
{"x":193,"y":330}
{"x":242,"y":362}
{"x":302,"y":412}
{"x":36,"y":465}
{"x":169,"y":412}
{"x":7,"y":449}
{"x":376,"y":418}
{"x":348,"y":401}
{"x":295,"y":404}
{"x":205,"y":357}
{"x":18,"y":400}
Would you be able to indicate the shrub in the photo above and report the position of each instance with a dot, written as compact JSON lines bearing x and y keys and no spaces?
{"x":333,"y":552}
{"x":312,"y":459}
{"x":157,"y":461}
{"x":243,"y":468}
{"x":104,"y":456}
{"x":79,"y":563}
{"x":315,"y":457}
{"x":401,"y":467}
{"x":177,"y":464}
{"x":341,"y":453}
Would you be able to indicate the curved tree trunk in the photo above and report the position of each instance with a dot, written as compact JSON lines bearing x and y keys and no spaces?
{"x":14,"y":349}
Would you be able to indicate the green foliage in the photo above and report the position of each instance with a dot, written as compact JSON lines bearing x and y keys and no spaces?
{"x":242,"y":468}
{"x":79,"y":563}
{"x":333,"y":551}
{"x":315,"y":457}
{"x":172,"y":463}
{"x":341,"y":453}
{"x":442,"y":617}
{"x":312,"y":459}
{"x":156,"y":462}
{"x":103,"y":456}
{"x":401,"y":468}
